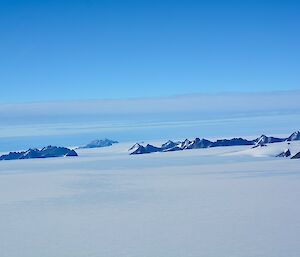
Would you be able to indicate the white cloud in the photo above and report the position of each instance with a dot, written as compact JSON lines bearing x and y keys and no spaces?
{"x":207,"y":104}
{"x":202,"y":115}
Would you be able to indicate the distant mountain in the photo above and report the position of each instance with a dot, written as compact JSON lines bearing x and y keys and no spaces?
{"x":232,"y":142}
{"x":185,"y":144}
{"x":295,"y":136}
{"x":198,"y":143}
{"x":134,"y":147}
{"x":263,"y":139}
{"x":168,"y":145}
{"x":152,"y":149}
{"x":46,"y":152}
{"x":146,"y":149}
{"x":286,"y":153}
{"x":100,"y":143}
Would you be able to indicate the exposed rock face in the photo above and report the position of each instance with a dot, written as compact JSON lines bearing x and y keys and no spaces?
{"x":46,"y":152}
{"x":146,"y":149}
{"x":296,"y":156}
{"x":286,"y":153}
{"x":100,"y":143}
{"x":12,"y":156}
{"x":199,"y":143}
{"x":152,"y":149}
{"x":185,"y":144}
{"x":140,"y":150}
{"x":134,"y":147}
{"x":54,"y":151}
{"x":168,"y":145}
{"x":295,"y":136}
{"x":263,"y":139}
{"x":232,"y":142}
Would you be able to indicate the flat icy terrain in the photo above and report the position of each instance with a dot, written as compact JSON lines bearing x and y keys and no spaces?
{"x":219,"y":202}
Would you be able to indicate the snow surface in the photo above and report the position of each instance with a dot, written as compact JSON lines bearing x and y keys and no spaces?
{"x":215,"y":202}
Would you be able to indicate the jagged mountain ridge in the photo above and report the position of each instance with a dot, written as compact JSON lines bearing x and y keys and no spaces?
{"x":263,"y":139}
{"x":198,"y":143}
{"x":46,"y":152}
{"x":232,"y":142}
{"x":146,"y":149}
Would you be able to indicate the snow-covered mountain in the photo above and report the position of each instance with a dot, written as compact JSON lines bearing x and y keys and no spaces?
{"x":263,"y":139}
{"x":285,"y":153}
{"x":295,"y":136}
{"x":146,"y":149}
{"x":169,"y":145}
{"x":232,"y":142}
{"x":185,"y":144}
{"x":100,"y":143}
{"x":198,"y":143}
{"x":134,"y":147}
{"x":46,"y":152}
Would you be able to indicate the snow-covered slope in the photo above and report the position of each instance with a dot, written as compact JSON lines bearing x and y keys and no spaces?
{"x":201,"y":203}
{"x":270,"y":150}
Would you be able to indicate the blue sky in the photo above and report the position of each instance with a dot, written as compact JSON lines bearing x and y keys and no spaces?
{"x":73,"y":50}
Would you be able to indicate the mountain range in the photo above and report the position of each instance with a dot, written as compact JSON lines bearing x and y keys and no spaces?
{"x":198,"y":143}
{"x":46,"y":152}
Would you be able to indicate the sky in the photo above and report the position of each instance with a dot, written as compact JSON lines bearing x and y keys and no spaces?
{"x":74,"y":71}
{"x":212,"y":116}
{"x":81,"y":50}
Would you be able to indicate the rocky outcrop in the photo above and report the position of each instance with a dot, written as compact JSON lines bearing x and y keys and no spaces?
{"x":286,"y":153}
{"x":199,"y":143}
{"x":146,"y":149}
{"x":232,"y":142}
{"x":263,"y":139}
{"x":296,"y":156}
{"x":185,"y":144}
{"x":46,"y":152}
{"x":134,"y":147}
{"x":295,"y":136}
{"x":168,"y":145}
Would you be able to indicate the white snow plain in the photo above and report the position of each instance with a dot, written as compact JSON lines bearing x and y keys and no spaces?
{"x":215,"y":202}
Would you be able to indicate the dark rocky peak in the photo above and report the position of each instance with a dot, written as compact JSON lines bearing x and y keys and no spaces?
{"x":285,"y":153}
{"x":293,"y":137}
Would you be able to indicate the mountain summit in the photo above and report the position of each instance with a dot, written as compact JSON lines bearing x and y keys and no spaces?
{"x":295,"y":136}
{"x":100,"y":143}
